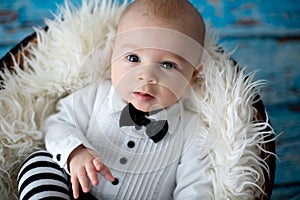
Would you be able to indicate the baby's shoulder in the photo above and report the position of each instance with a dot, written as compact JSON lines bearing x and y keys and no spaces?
{"x":98,"y":86}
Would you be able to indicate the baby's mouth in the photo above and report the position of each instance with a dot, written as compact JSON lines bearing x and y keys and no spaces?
{"x":144,"y":97}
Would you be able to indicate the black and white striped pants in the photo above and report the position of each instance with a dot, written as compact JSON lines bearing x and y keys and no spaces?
{"x":40,"y":178}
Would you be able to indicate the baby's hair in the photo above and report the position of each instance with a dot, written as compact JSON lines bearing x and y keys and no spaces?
{"x":163,"y":8}
{"x":170,"y":9}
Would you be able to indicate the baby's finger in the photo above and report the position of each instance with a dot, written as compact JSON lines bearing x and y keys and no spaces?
{"x":92,"y":174}
{"x":83,"y":180}
{"x":75,"y":189}
{"x":104,"y":171}
{"x":107,"y":174}
{"x":98,"y":164}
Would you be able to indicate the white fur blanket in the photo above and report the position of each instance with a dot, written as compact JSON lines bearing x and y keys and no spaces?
{"x":75,"y":51}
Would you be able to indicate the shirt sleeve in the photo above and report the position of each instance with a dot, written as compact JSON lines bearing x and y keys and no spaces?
{"x":193,"y":177}
{"x":65,"y":130}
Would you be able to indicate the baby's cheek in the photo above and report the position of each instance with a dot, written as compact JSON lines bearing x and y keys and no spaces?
{"x":122,"y":92}
{"x":177,"y":85}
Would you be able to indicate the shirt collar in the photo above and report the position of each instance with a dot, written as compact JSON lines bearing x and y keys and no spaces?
{"x":172,"y":113}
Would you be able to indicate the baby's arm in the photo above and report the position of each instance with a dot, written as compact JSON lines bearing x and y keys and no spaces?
{"x":193,"y":177}
{"x":194,"y":180}
{"x":66,"y":129}
{"x":84,"y":165}
{"x":65,"y":138}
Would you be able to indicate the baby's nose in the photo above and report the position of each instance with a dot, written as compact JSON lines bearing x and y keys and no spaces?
{"x":148,"y":74}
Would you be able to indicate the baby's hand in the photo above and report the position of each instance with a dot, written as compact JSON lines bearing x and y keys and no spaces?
{"x":84,"y":165}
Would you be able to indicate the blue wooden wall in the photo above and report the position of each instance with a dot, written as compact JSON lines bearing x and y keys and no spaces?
{"x":267,"y":35}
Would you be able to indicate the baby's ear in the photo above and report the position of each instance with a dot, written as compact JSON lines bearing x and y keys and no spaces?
{"x":195,"y":73}
{"x":112,"y":44}
{"x":197,"y":70}
{"x":194,"y":76}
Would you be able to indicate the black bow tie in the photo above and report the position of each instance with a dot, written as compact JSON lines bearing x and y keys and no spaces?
{"x":155,"y":130}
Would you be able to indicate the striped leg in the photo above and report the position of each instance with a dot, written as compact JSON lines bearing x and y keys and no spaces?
{"x":41,"y":178}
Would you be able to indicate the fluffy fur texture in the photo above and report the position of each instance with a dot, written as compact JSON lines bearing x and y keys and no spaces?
{"x":75,"y":51}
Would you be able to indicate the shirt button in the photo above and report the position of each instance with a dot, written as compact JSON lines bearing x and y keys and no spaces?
{"x":123,"y":161}
{"x":115,"y":182}
{"x":58,"y":157}
{"x":131,"y":144}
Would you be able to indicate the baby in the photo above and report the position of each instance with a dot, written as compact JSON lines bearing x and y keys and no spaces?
{"x":132,"y":137}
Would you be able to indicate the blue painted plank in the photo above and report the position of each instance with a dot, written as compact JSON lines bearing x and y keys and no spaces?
{"x":18,"y":17}
{"x":252,"y":17}
{"x":286,"y":193}
{"x":275,"y":61}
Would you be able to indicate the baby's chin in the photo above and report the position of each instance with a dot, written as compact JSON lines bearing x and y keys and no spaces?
{"x":153,"y":108}
{"x":141,"y":107}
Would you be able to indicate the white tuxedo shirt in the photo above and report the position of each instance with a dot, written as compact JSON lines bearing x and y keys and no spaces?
{"x":169,"y":169}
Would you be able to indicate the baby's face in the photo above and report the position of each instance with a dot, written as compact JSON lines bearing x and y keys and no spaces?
{"x":150,"y":79}
{"x":153,"y":63}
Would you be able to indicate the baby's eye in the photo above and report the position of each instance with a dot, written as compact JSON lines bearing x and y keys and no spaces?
{"x":168,"y":65}
{"x":133,"y":58}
